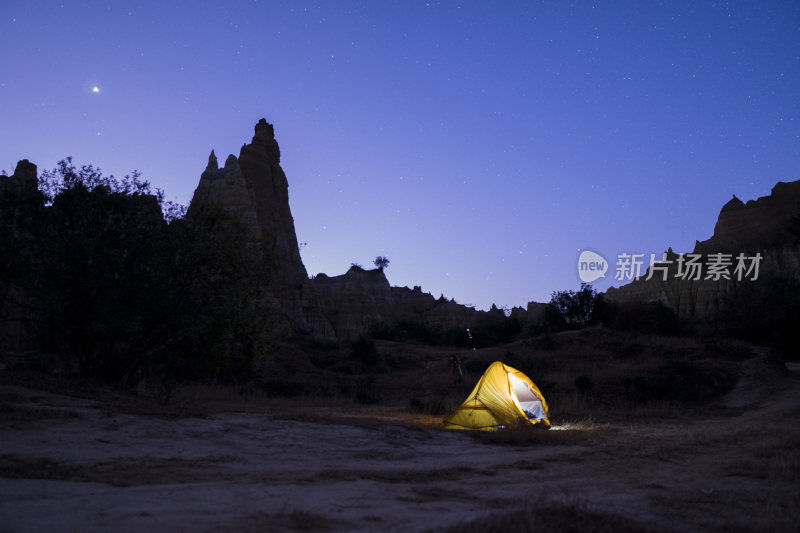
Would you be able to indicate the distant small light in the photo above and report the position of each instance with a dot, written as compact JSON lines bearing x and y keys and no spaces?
{"x":95,"y":89}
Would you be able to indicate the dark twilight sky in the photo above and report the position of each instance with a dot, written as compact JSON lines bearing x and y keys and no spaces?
{"x":479,"y":145}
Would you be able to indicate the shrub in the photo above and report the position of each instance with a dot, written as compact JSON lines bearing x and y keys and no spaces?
{"x":550,"y":322}
{"x":584,"y":384}
{"x":128,"y":291}
{"x":765,"y":311}
{"x":494,"y":327}
{"x":365,"y":391}
{"x":643,"y":317}
{"x":685,"y":381}
{"x":630,"y":350}
{"x":365,"y":352}
{"x":408,"y":329}
{"x":575,"y":307}
{"x":428,"y":407}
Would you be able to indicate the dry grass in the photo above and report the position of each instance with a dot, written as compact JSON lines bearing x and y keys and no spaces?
{"x":398,"y":475}
{"x":729,"y":510}
{"x":658,"y":453}
{"x":302,"y":520}
{"x":418,"y":379}
{"x":15,"y":413}
{"x":119,"y":473}
{"x":293,"y":519}
{"x":569,"y":433}
{"x":776,"y":459}
{"x":436,"y":493}
{"x":554,"y":518}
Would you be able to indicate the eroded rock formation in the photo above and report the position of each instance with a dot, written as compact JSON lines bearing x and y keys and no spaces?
{"x":769,"y":226}
{"x":355,"y":301}
{"x":756,"y":225}
{"x":20,"y":202}
{"x":254,"y":188}
{"x":359,"y":300}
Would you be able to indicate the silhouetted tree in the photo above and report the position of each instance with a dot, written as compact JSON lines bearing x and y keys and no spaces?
{"x":124,"y":294}
{"x":381,"y":262}
{"x":575,"y":307}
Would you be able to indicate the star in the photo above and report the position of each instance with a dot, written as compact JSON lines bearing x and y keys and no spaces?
{"x":95,"y":89}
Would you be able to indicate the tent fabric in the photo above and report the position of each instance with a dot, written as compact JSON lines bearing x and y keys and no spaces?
{"x":503,"y":396}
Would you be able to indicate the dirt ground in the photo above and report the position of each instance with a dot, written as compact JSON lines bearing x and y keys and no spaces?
{"x":74,"y":464}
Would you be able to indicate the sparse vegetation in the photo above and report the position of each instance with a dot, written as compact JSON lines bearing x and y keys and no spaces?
{"x":128,"y":291}
{"x":766,"y":311}
{"x":430,"y":407}
{"x":602,"y":436}
{"x":381,"y":262}
{"x":124,"y":288}
{"x":575,"y":307}
{"x":555,"y":518}
{"x":364,"y":351}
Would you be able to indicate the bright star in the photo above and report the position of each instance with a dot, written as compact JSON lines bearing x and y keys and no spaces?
{"x":95,"y":89}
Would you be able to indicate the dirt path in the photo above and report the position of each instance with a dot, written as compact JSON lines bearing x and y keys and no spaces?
{"x":67,"y":464}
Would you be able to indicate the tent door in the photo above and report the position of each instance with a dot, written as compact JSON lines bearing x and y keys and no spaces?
{"x":527,"y":399}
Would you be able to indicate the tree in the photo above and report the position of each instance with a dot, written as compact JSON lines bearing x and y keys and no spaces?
{"x":381,"y":262}
{"x":575,"y":307}
{"x":128,"y":288}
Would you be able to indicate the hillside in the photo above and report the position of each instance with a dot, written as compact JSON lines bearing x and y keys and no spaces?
{"x":768,"y":227}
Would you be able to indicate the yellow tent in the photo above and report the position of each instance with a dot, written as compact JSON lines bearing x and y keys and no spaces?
{"x":502,"y":397}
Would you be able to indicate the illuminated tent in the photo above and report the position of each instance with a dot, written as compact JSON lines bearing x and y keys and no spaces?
{"x":503,"y":396}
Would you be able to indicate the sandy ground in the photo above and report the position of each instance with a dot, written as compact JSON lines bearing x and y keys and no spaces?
{"x":69,"y":464}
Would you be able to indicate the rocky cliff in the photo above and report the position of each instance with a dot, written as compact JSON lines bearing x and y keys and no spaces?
{"x":360,"y":300}
{"x":254,"y":188}
{"x":20,"y":201}
{"x":765,"y":223}
{"x":437,"y":313}
{"x":24,"y":178}
{"x":355,"y":301}
{"x":769,"y":226}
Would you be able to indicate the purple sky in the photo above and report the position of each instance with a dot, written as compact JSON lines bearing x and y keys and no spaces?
{"x":479,"y":147}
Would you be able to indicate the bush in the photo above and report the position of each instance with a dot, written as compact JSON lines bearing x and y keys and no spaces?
{"x":365,"y":352}
{"x":584,"y":384}
{"x":365,"y":391}
{"x":642,"y":317}
{"x":685,"y":381}
{"x":546,"y":341}
{"x":428,"y":407}
{"x":286,"y":388}
{"x":550,"y":322}
{"x":630,"y":350}
{"x":494,"y":327}
{"x":476,"y":363}
{"x":765,"y":311}
{"x":128,"y":291}
{"x":575,"y":307}
{"x":408,"y":329}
